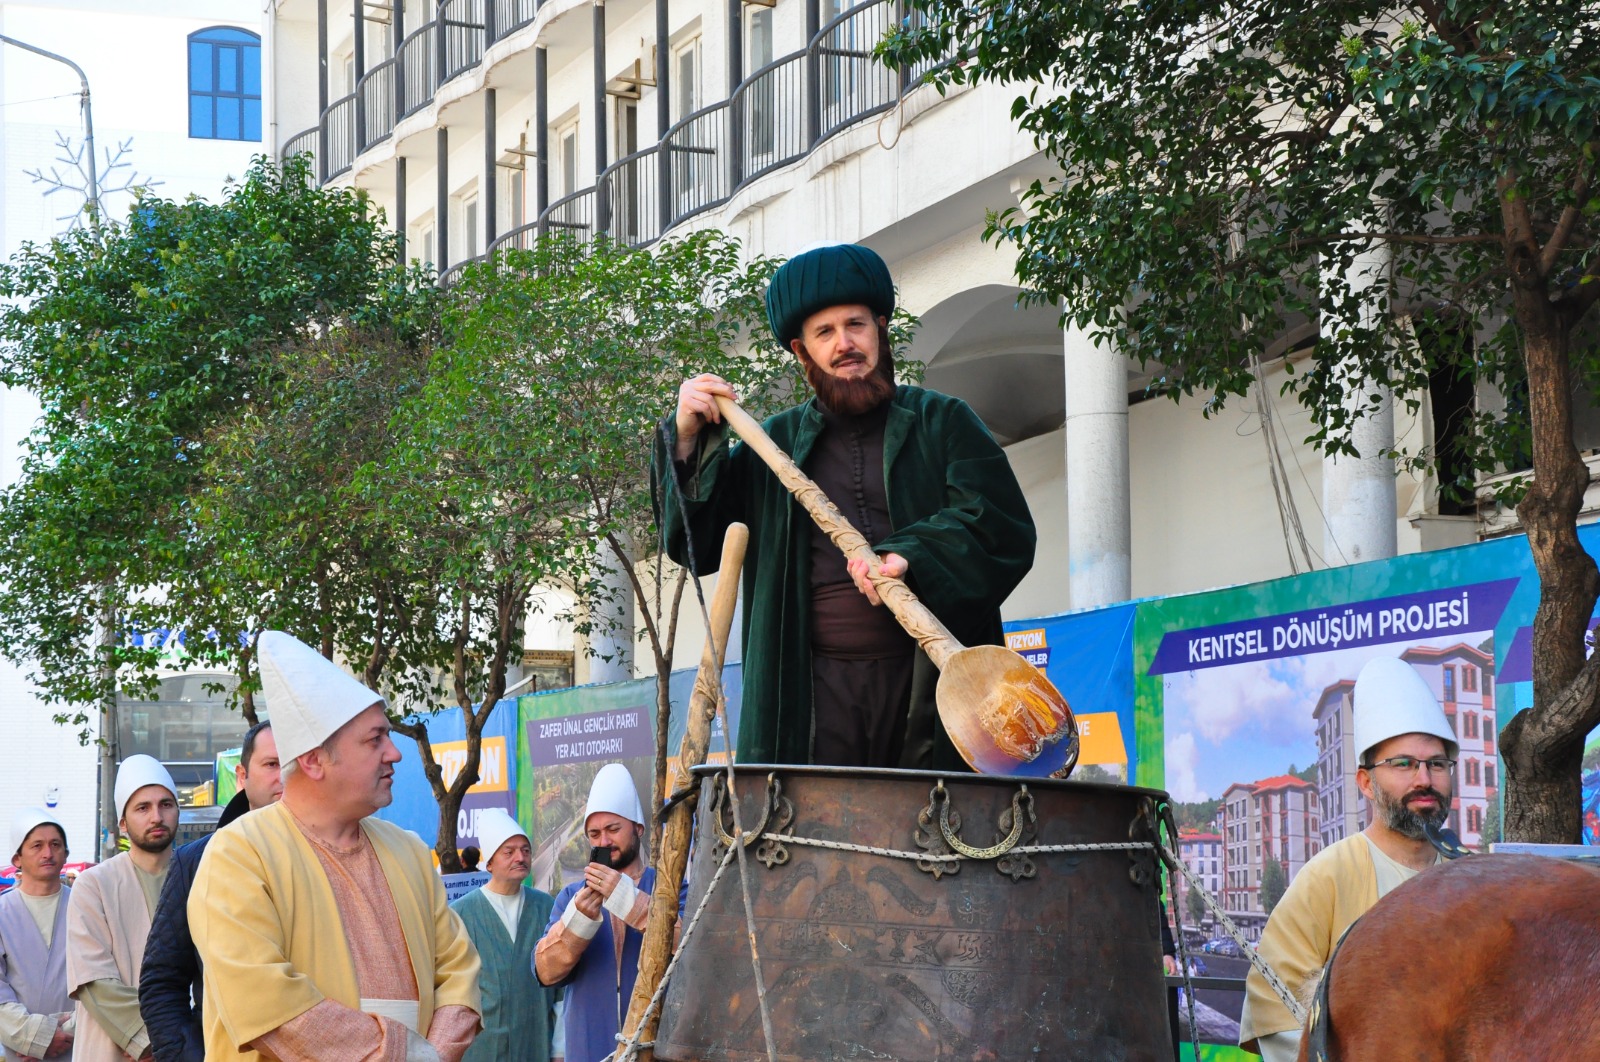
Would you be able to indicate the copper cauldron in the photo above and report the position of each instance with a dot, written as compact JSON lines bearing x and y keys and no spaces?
{"x":1004,"y":955}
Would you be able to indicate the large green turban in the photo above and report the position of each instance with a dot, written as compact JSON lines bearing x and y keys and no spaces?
{"x":840,"y":274}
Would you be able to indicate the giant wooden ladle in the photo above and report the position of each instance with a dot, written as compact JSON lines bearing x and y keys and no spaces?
{"x":1002,"y":714}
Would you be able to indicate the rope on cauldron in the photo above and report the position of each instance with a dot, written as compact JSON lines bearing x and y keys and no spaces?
{"x":728,"y":776}
{"x":897,"y":853}
{"x":1272,"y":979}
{"x":630,"y":1044}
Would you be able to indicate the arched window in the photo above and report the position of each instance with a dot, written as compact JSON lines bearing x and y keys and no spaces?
{"x":224,"y":84}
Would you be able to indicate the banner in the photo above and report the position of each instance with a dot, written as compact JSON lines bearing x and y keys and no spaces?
{"x":1243,"y":705}
{"x":566,"y":736}
{"x":1088,"y":656}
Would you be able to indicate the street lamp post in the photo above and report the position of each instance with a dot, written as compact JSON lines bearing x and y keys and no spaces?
{"x":88,"y":122}
{"x":108,"y":706}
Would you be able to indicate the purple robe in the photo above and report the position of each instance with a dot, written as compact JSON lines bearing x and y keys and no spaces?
{"x":29,"y":974}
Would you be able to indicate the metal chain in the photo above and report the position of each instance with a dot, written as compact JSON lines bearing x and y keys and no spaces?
{"x":1296,"y":1010}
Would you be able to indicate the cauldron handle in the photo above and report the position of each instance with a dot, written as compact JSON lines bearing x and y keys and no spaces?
{"x":942,"y":799}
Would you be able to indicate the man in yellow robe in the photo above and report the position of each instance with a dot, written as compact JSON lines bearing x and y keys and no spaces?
{"x":325,"y":933}
{"x":1406,"y":749}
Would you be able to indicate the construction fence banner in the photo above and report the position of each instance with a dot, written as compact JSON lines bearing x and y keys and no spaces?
{"x":566,"y":736}
{"x":1242,"y":704}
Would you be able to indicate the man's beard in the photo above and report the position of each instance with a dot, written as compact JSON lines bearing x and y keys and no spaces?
{"x":145,"y":844}
{"x":625,"y":857}
{"x":851,"y":397}
{"x":1406,"y":822}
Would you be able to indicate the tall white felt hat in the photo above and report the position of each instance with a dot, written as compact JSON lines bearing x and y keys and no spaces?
{"x":308,"y":696}
{"x":613,"y":790}
{"x":495,"y":828}
{"x":136,"y":772}
{"x":1392,"y":699}
{"x":26,"y":820}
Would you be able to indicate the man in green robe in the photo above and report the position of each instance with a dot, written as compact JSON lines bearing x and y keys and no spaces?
{"x":505,"y":919}
{"x":829,"y":677}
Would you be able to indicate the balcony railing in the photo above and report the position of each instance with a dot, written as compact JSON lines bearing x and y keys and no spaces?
{"x":375,"y":105}
{"x":462,"y":40}
{"x":775,"y":117}
{"x":504,"y":17}
{"x":418,"y":69}
{"x":338,"y":136}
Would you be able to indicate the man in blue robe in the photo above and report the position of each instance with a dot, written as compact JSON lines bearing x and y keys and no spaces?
{"x":591,"y":946}
{"x":504,"y":919}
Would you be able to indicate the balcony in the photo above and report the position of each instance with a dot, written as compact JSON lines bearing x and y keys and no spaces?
{"x":775,"y":117}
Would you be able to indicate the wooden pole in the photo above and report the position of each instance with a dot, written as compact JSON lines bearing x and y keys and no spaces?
{"x":661,"y":934}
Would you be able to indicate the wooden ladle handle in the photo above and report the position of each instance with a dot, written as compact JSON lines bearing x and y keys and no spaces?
{"x":918,"y":620}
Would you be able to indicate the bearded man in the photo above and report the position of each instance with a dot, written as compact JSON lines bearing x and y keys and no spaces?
{"x":108,"y":920}
{"x":830,"y":676}
{"x":597,"y":924}
{"x":1406,"y":753}
{"x":171,"y":987}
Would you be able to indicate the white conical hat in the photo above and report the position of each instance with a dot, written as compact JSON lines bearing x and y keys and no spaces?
{"x":495,"y":828}
{"x":136,"y":772}
{"x":308,"y":696}
{"x":613,"y":790}
{"x":26,"y":820}
{"x":1392,"y":699}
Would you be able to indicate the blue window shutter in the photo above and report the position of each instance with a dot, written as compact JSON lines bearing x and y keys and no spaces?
{"x":200,"y":117}
{"x":200,"y":78}
{"x":227,"y":70}
{"x":252,"y":72}
{"x":252,"y":120}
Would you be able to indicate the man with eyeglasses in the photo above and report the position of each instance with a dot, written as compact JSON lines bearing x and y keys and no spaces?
{"x":1407,"y":752}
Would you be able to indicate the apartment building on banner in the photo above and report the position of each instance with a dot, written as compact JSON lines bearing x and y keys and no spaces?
{"x":1274,"y":819}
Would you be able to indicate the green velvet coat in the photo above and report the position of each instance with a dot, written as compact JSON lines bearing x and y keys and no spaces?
{"x":958,"y":517}
{"x":518,"y":1016}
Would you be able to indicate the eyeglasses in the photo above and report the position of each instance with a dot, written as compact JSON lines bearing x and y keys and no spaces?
{"x":1408,"y":764}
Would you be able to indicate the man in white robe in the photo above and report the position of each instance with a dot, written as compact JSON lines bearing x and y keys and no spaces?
{"x":109,"y":917}
{"x":35,"y":1010}
{"x":324,"y":932}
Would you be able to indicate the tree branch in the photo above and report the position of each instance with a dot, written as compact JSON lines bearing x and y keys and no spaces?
{"x":1563,"y":232}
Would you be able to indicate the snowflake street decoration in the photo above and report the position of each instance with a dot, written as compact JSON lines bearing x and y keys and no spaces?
{"x":116,"y":176}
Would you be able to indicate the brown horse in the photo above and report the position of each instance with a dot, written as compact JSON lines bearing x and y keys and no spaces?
{"x":1484,"y":958}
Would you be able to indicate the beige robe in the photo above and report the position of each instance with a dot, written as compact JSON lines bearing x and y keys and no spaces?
{"x":267,"y":926}
{"x":1335,"y":888}
{"x":107,"y":924}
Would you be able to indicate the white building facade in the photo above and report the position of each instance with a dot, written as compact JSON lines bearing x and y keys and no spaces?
{"x":478,"y":123}
{"x":178,"y":84}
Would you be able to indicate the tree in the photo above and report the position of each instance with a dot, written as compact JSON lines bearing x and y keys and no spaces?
{"x":586,"y":344}
{"x":1196,"y":904}
{"x":1273,"y":882}
{"x":139,"y":341}
{"x":1418,"y":178}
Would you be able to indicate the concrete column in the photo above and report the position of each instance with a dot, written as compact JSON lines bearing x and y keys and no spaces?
{"x":1358,"y":492}
{"x":613,"y":622}
{"x":1099,"y":518}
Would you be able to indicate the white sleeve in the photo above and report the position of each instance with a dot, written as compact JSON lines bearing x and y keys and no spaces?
{"x":1280,"y":1046}
{"x":622,"y":898}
